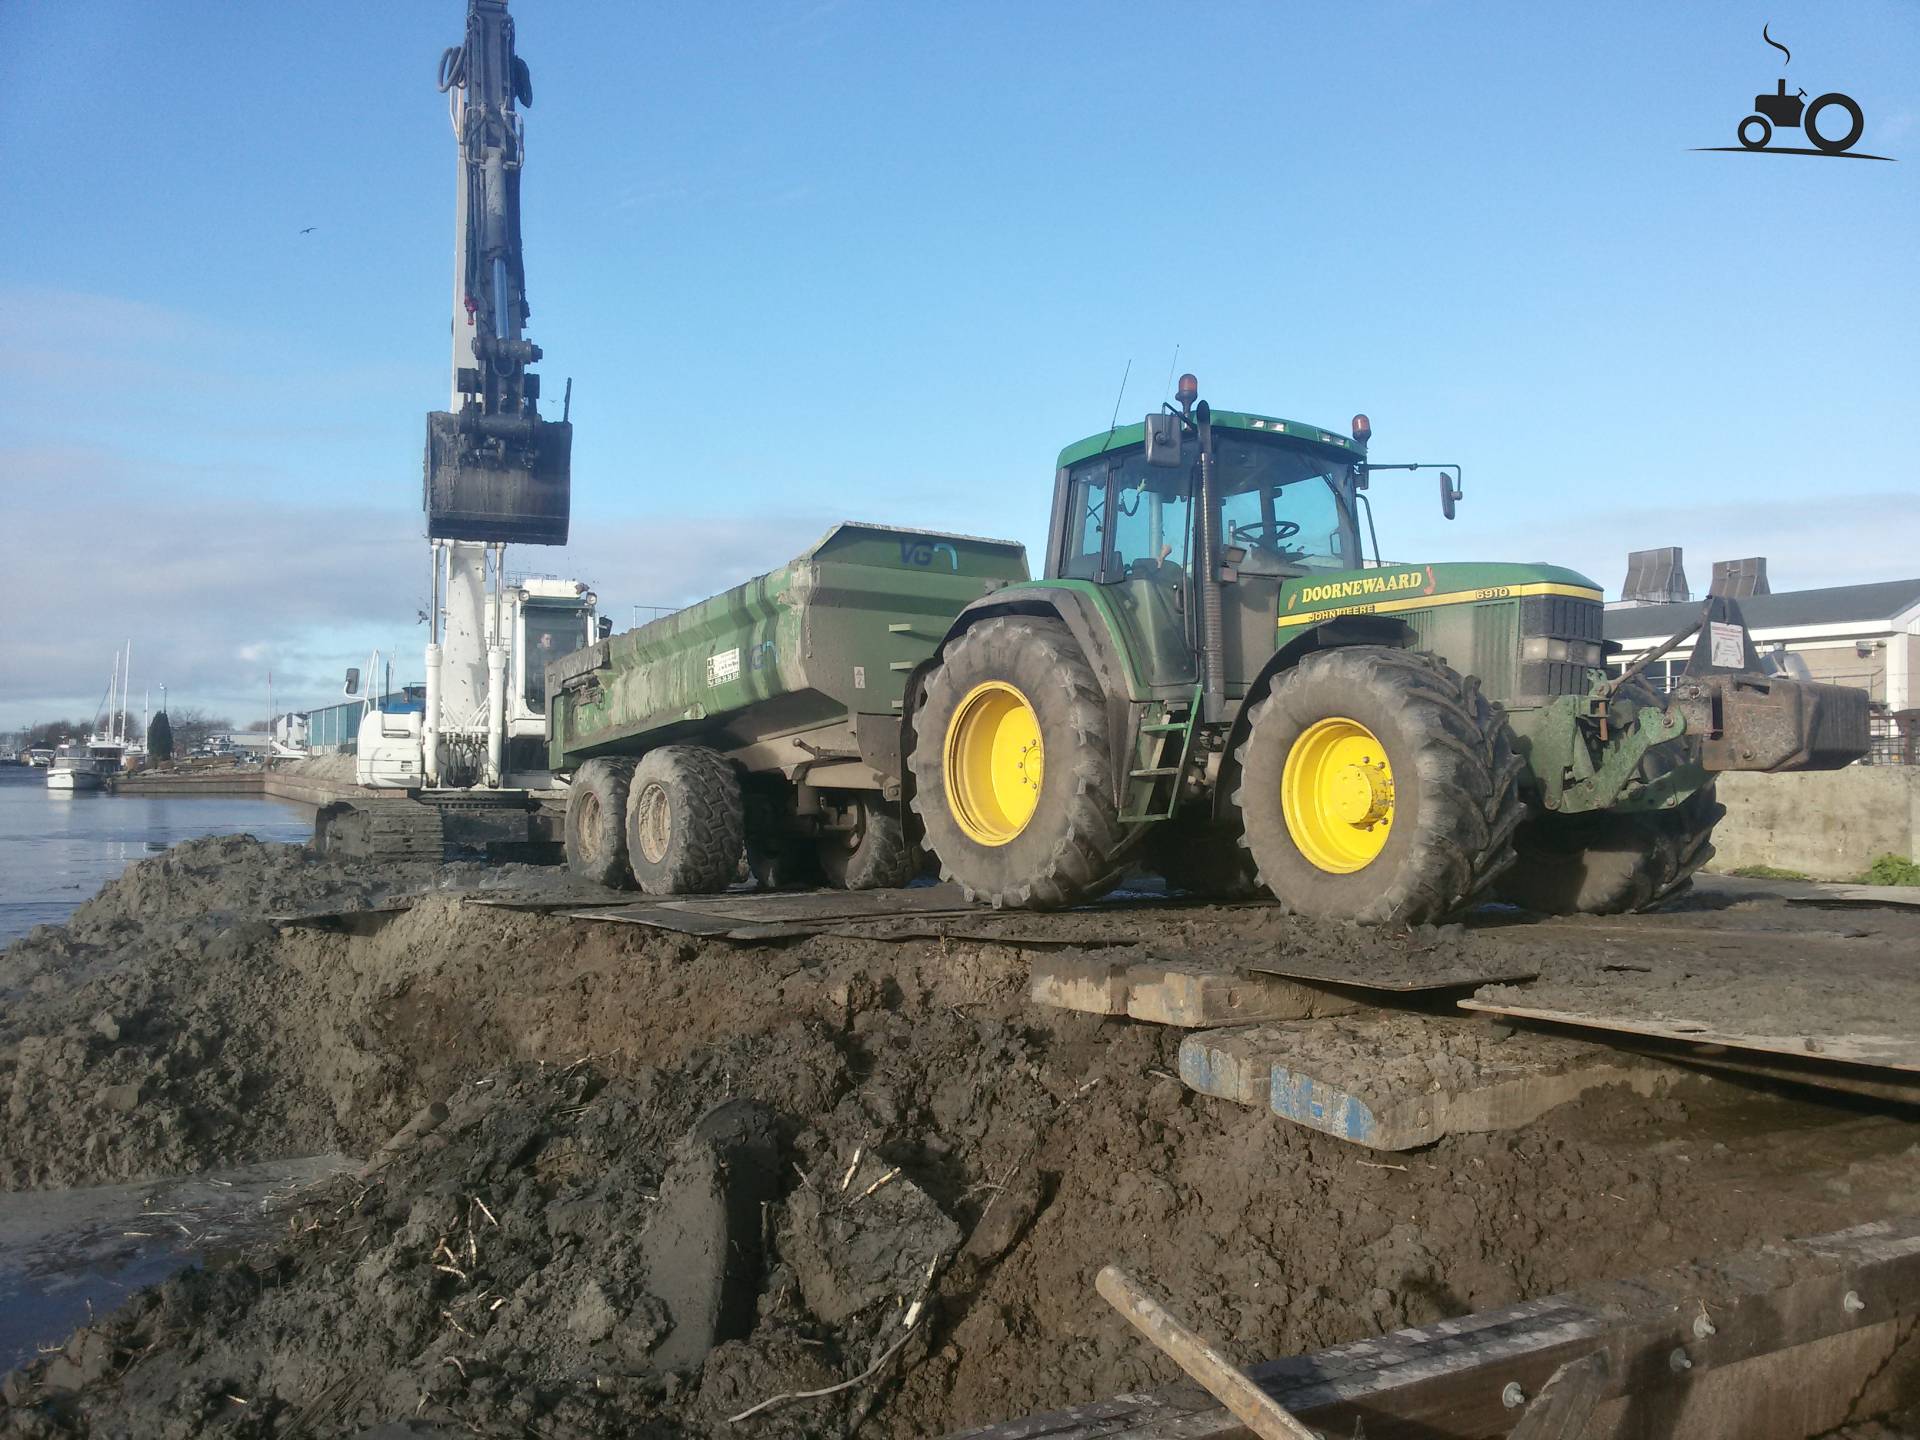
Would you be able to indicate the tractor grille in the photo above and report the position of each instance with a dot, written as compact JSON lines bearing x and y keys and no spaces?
{"x":1571,"y":629}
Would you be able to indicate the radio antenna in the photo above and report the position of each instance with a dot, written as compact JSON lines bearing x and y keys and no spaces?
{"x":1120,"y":398}
{"x":1171,"y":367}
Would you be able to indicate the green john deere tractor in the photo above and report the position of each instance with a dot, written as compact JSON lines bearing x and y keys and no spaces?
{"x":1214,"y":680}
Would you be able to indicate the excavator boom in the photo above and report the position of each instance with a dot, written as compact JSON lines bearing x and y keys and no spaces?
{"x":495,"y":471}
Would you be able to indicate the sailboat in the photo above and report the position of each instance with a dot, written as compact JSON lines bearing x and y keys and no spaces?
{"x":86,"y":766}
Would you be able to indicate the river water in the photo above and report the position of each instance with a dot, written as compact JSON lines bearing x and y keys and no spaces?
{"x":58,"y":847}
{"x":69,"y":1255}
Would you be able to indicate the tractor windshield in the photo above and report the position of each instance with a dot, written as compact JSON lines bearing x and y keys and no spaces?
{"x":1281,"y":503}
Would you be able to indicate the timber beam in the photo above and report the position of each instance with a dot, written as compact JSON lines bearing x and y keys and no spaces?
{"x":1779,"y":1343}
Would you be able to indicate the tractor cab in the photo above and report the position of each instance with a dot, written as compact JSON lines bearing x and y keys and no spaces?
{"x":1126,"y":519}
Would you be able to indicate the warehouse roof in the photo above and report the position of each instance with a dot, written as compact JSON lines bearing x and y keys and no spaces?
{"x":1876,"y":604}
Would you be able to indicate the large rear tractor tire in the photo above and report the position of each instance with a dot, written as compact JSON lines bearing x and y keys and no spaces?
{"x":874,"y":855}
{"x":596,"y":831}
{"x":1378,"y":785}
{"x":1013,"y":767}
{"x":1611,"y":862}
{"x":686,"y":826}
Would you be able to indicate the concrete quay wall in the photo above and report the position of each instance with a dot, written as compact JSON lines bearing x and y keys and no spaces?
{"x":1830,"y":825}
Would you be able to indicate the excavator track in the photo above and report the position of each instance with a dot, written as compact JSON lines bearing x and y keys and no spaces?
{"x":389,"y":831}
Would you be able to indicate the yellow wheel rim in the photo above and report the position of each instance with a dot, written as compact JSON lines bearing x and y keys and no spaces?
{"x":1336,"y":793}
{"x":995,"y":763}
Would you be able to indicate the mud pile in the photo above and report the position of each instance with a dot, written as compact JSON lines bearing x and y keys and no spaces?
{"x":548,"y":1255}
{"x":127,"y":1044}
{"x":677,"y":1177}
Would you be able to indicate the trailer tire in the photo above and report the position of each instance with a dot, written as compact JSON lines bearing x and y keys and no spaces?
{"x":1397,"y":735}
{"x":1011,"y":696}
{"x":686,"y":826}
{"x":874,"y":855}
{"x":596,"y":830}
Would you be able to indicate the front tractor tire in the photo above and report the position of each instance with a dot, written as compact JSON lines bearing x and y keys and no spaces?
{"x":596,"y":832}
{"x":1613,"y":862}
{"x":686,"y":824}
{"x":1378,"y":785}
{"x":1013,"y":767}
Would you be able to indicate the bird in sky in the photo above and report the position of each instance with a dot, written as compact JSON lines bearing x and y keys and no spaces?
{"x":307,"y":231}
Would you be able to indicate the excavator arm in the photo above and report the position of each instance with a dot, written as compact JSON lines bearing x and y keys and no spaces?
{"x":495,"y":471}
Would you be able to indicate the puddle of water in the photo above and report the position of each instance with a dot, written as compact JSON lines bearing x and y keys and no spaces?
{"x":69,"y":1255}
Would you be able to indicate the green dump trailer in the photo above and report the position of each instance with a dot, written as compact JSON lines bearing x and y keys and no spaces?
{"x":766,"y":722}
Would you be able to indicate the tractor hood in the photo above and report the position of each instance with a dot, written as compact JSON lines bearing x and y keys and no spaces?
{"x":1394,"y":588}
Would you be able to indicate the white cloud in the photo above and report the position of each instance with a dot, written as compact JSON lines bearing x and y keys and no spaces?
{"x":214,"y":594}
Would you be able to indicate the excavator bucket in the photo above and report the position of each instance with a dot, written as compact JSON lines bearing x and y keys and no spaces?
{"x":500,"y":479}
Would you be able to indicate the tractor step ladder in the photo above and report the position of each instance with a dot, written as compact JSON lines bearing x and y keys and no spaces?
{"x":1153,"y":786}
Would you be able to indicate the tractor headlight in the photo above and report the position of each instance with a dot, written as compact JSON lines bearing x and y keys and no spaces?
{"x":1577,"y":652}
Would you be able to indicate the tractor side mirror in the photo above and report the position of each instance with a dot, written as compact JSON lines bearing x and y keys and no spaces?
{"x":1449,"y":493}
{"x":603,"y":627}
{"x":1163,"y":441}
{"x":353,"y":681}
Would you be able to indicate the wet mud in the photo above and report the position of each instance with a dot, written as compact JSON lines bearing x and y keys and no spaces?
{"x":645,"y":1183}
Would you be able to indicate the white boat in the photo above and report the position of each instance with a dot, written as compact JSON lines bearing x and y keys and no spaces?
{"x":77,"y":766}
{"x":82,"y":767}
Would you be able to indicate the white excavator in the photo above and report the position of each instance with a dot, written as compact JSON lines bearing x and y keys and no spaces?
{"x":465,"y":755}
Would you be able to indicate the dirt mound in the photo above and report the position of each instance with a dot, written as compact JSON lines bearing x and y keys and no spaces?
{"x":695,"y":1175}
{"x":135,"y":1040}
{"x":548,"y":1254}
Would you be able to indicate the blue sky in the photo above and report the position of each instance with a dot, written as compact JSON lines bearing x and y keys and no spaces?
{"x":815,"y":261}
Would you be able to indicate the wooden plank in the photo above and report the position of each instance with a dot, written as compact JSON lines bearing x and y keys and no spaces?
{"x":1885,"y":1052}
{"x":1397,"y":1081}
{"x":1189,"y":996}
{"x":1900,"y":1086}
{"x":1847,"y":896}
{"x":1779,"y":1315}
{"x":717,"y":927}
{"x":820,"y":906}
{"x":1110,"y":982}
{"x":1224,"y":1380}
{"x":1092,"y":983}
{"x":1456,"y":969}
{"x":1566,"y":1402}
